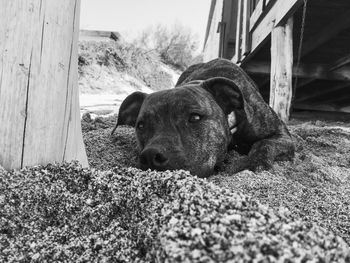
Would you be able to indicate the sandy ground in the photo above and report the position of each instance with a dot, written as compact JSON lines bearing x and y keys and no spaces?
{"x":315,"y":187}
{"x":104,"y":89}
{"x":104,"y":97}
{"x":100,"y":104}
{"x":297,"y":211}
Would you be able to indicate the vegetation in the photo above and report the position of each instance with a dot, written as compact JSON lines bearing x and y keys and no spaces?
{"x":121,"y":57}
{"x":176,"y":46}
{"x":153,"y":60}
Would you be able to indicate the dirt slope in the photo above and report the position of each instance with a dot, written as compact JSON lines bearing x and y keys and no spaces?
{"x":109,"y":71}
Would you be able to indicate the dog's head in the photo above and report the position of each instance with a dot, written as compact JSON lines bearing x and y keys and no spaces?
{"x":183,"y":128}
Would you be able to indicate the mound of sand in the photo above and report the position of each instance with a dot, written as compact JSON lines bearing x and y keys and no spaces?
{"x":69,"y":214}
{"x":296,"y":212}
{"x":315,"y":187}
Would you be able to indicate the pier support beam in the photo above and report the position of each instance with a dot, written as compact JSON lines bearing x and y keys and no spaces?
{"x":281,"y":69}
{"x":39,"y":99}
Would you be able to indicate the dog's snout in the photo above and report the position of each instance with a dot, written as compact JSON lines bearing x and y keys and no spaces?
{"x":153,"y":158}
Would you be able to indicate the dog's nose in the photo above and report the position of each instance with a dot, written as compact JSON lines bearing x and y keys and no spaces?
{"x":154,"y":159}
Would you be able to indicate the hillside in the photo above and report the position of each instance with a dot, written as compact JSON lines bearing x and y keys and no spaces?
{"x":110,"y":70}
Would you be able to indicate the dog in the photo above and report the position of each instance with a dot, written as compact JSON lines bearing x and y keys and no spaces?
{"x":214,"y":107}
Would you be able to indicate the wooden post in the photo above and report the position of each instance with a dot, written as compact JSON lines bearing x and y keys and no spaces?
{"x":281,"y":69}
{"x":238,"y":53}
{"x":245,"y":45}
{"x":39,"y":100}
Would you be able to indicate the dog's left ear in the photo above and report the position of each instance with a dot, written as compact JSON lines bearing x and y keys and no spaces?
{"x":227,"y":95}
{"x":129,"y":109}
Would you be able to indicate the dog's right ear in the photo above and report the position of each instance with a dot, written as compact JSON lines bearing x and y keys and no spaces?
{"x":228,"y":96}
{"x":225,"y":92}
{"x":129,"y":109}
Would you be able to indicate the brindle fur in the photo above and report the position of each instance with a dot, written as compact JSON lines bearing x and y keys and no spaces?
{"x":213,"y":90}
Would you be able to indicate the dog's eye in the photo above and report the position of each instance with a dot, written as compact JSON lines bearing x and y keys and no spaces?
{"x":194,"y":117}
{"x":140,"y":125}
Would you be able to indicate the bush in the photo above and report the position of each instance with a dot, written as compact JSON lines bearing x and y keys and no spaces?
{"x":106,"y":53}
{"x":175,"y":46}
{"x":125,"y":57}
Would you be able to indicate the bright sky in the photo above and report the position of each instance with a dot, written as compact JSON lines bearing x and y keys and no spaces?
{"x":132,"y":16}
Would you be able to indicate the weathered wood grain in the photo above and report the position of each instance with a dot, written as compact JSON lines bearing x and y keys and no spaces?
{"x":326,"y":34}
{"x":281,"y":69}
{"x":245,"y":46}
{"x":255,"y":16}
{"x":318,"y":93}
{"x":39,"y":104}
{"x":238,"y":53}
{"x":315,"y":71}
{"x":279,"y":13}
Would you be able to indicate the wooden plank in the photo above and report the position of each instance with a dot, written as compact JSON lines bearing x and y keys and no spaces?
{"x":316,"y":93}
{"x":335,"y":94}
{"x":94,"y":33}
{"x":332,"y":30}
{"x":234,"y":59}
{"x":257,"y":67}
{"x":222,"y":31}
{"x":334,"y":66}
{"x":74,"y":145}
{"x":322,"y":72}
{"x":304,"y":82}
{"x":238,"y":54}
{"x":15,"y":74}
{"x":261,"y":9}
{"x":256,"y":15}
{"x":245,"y":46}
{"x":39,"y":92}
{"x":340,"y":63}
{"x":210,"y":19}
{"x":326,"y":34}
{"x":277,"y":15}
{"x":313,"y":71}
{"x":333,"y":116}
{"x":212,"y":45}
{"x":281,"y":69}
{"x":321,"y":107}
{"x":343,"y":99}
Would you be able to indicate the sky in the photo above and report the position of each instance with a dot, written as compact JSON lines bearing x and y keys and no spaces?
{"x":129,"y":17}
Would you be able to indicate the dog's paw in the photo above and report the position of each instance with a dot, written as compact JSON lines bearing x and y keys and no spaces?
{"x":259,"y":164}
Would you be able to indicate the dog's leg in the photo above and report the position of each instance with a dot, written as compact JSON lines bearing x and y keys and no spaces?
{"x":276,"y":148}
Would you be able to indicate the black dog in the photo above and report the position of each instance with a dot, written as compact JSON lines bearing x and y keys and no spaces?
{"x":214,"y":107}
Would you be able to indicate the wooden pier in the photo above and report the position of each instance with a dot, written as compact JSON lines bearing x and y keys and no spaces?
{"x":264,"y":36}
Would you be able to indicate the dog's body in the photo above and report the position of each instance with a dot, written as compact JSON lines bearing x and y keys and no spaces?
{"x":188,"y":128}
